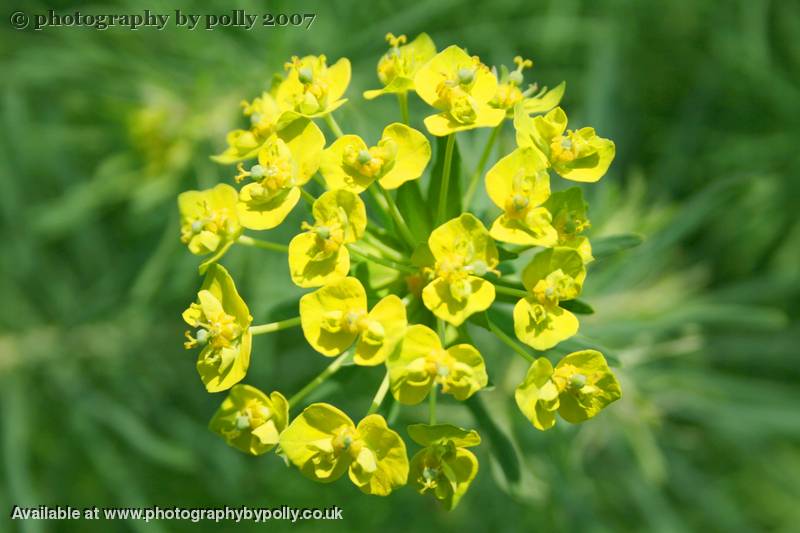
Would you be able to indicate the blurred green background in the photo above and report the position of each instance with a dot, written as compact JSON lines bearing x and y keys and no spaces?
{"x":100,"y":405}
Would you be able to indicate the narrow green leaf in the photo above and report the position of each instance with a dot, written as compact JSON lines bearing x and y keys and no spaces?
{"x":454,"y":190}
{"x":577,"y":306}
{"x":607,"y":246}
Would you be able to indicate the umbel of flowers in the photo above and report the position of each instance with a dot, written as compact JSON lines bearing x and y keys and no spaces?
{"x":380,"y":294}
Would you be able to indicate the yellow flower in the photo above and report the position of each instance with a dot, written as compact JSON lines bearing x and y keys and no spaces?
{"x":324,"y":443}
{"x":209,"y":221}
{"x":461,"y":87}
{"x":264,"y":114}
{"x":577,"y":155}
{"x":251,"y":421}
{"x":311,"y":88}
{"x":444,"y":467}
{"x":319,"y":256}
{"x":398,"y":66}
{"x":518,"y":184}
{"x":552,"y":276}
{"x":335,"y":316}
{"x":463,"y":251}
{"x":423,"y":363}
{"x":568,"y":210}
{"x":400,"y":156}
{"x":580,"y":386}
{"x":221,"y":326}
{"x":286,"y":162}
{"x":533,"y":100}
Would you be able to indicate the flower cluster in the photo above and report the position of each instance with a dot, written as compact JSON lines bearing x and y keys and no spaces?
{"x":396,"y":285}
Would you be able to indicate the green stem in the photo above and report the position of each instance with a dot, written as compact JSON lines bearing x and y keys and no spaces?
{"x":446,"y":171}
{"x":394,"y":410}
{"x":373,"y":239}
{"x":275,"y":326}
{"x":380,"y":395}
{"x":307,"y":196}
{"x":320,"y":379}
{"x":380,"y":202}
{"x":432,"y":405}
{"x":473,"y":182}
{"x":402,"y":98}
{"x":388,"y":263}
{"x":511,"y":343}
{"x":266,"y":245}
{"x":511,"y":291}
{"x":397,"y":217}
{"x":333,"y":125}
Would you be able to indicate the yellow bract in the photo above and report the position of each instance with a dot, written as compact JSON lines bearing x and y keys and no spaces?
{"x":324,"y":443}
{"x":552,"y":276}
{"x":250,"y":420}
{"x":335,"y":316}
{"x":444,"y":468}
{"x":461,"y":87}
{"x":577,"y":155}
{"x":579,"y":387}
{"x":568,"y":210}
{"x":401,"y":155}
{"x":398,"y":66}
{"x":221,"y":323}
{"x":463,"y":252}
{"x":209,"y":221}
{"x":313,"y":89}
{"x":319,"y":255}
{"x":286,"y":162}
{"x":518,"y":184}
{"x":423,"y":363}
{"x":264,"y":114}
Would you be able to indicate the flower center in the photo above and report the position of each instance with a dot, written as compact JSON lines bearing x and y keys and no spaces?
{"x":312,"y":73}
{"x":556,"y":287}
{"x":373,"y":162}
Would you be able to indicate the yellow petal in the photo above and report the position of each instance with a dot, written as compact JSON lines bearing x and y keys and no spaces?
{"x":260,"y":215}
{"x":557,"y":325}
{"x":465,"y":237}
{"x":410,"y":383}
{"x":390,"y":313}
{"x":335,"y":172}
{"x":536,"y":230}
{"x":216,"y":381}
{"x":443,"y":124}
{"x":545,"y":102}
{"x":332,"y":206}
{"x":470,"y":374}
{"x":306,"y":272}
{"x":338,"y":79}
{"x":537,"y":396}
{"x":387,"y":464}
{"x":413,"y":155}
{"x":523,"y":168}
{"x":301,"y":442}
{"x":438,"y":297}
{"x":543,"y":263}
{"x":346,"y":295}
{"x":305,"y":141}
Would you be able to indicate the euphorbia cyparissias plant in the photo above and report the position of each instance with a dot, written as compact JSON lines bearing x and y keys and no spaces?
{"x":381,"y":294}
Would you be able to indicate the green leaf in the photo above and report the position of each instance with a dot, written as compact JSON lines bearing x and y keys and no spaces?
{"x":577,"y":306}
{"x":506,"y":255}
{"x":410,"y":202}
{"x":502,"y":448}
{"x":607,"y":246}
{"x":454,"y":189}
